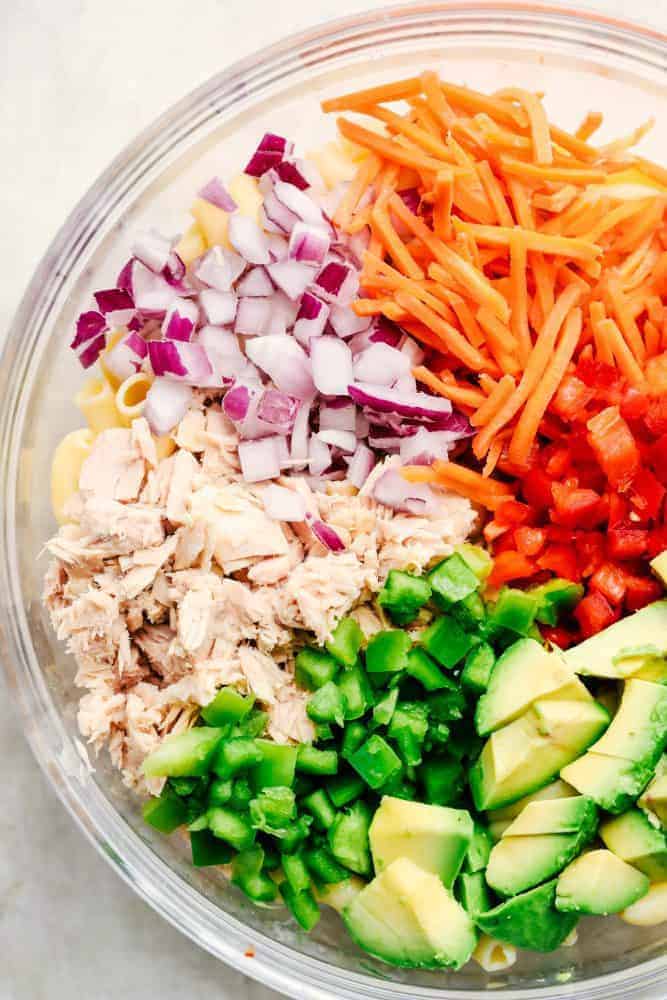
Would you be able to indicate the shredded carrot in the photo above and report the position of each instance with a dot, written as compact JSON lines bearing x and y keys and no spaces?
{"x":623,"y":355}
{"x":366,"y":173}
{"x":558,"y":201}
{"x":494,"y":401}
{"x":495,"y":194}
{"x":537,"y":120}
{"x":443,"y":195}
{"x":389,"y":150}
{"x":461,"y":395}
{"x":473,"y":102}
{"x":493,"y":457}
{"x":629,"y":328}
{"x":381,"y":224}
{"x":651,"y":338}
{"x":500,"y":236}
{"x":422,"y":138}
{"x":466,"y":318}
{"x":500,"y":340}
{"x":451,"y":339}
{"x":519,"y":294}
{"x":436,"y":100}
{"x":374,"y":95}
{"x":589,"y":125}
{"x":535,"y":172}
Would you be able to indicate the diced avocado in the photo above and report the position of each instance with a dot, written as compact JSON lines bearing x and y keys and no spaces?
{"x":550,"y":835}
{"x":473,"y":893}
{"x":524,"y":673}
{"x":654,"y":796}
{"x":477,"y":856}
{"x":612,"y":782}
{"x":526,"y":754}
{"x":477,"y":558}
{"x":659,"y":566}
{"x":529,"y":920}
{"x":554,"y":790}
{"x":653,"y":668}
{"x":406,"y":917}
{"x":338,"y":895}
{"x":600,"y":883}
{"x":634,"y":839}
{"x":434,"y":837}
{"x":601,"y":655}
{"x":566,"y":815}
{"x":638,"y":731}
{"x":183,"y":755}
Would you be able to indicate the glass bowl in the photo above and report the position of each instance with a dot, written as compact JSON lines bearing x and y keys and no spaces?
{"x":581,"y":62}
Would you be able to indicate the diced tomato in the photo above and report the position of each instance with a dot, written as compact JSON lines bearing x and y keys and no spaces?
{"x":609,"y":580}
{"x":597,"y":374}
{"x":529,"y":540}
{"x":594,"y":613}
{"x":641,"y":590}
{"x":625,"y":541}
{"x":619,"y":508}
{"x":616,"y":450}
{"x":505,"y":542}
{"x":657,"y":541}
{"x":647,"y":494}
{"x":656,"y":458}
{"x":559,"y":635}
{"x":634,"y":404}
{"x":572,"y":398}
{"x":590,"y":548}
{"x":510,"y":566}
{"x":560,"y":535}
{"x":655,"y":420}
{"x":493,"y":531}
{"x":557,"y":462}
{"x":536,"y":489}
{"x":577,"y":508}
{"x":561,"y":560}
{"x":512,"y":512}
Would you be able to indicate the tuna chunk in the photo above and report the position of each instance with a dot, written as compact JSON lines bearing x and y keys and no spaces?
{"x":115,"y":467}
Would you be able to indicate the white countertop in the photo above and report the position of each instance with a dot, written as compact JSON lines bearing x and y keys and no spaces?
{"x":78,"y":79}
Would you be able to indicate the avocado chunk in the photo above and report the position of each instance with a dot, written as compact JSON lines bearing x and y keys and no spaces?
{"x":659,"y":566}
{"x":654,"y":796}
{"x":434,"y":837}
{"x":529,"y":920}
{"x":635,"y":840}
{"x":599,"y":883}
{"x":638,"y":731}
{"x":473,"y":893}
{"x":406,"y":917}
{"x":526,"y":754}
{"x":602,"y":654}
{"x":612,"y":782}
{"x":554,"y":790}
{"x":550,"y":835}
{"x":523,"y":674}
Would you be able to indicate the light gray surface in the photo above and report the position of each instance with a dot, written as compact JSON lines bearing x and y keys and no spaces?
{"x":78,"y":79}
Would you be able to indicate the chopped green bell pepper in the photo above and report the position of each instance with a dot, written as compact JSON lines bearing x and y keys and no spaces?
{"x":514,"y":610}
{"x":384,"y":708}
{"x":319,"y":805}
{"x":446,"y":641}
{"x":220,"y":791}
{"x":345,"y":789}
{"x":447,"y":705}
{"x":327,"y":704}
{"x":452,"y":580}
{"x":248,"y":875}
{"x":387,"y":652}
{"x":231,"y":827}
{"x":403,"y":595}
{"x":296,"y":872}
{"x":236,"y":755}
{"x":477,"y":670}
{"x":227,"y":706}
{"x":354,"y":735}
{"x":470,"y":613}
{"x":273,"y":810}
{"x":478,"y":559}
{"x":408,"y":729}
{"x":356,"y":693}
{"x":443,"y":780}
{"x":296,"y":835}
{"x":555,"y":598}
{"x":348,"y":838}
{"x":315,"y":668}
{"x":321,"y":862}
{"x":375,"y":761}
{"x":241,"y":795}
{"x":310,"y":760}
{"x":346,"y":641}
{"x":425,"y":670}
{"x":165,"y":812}
{"x":302,"y":906}
{"x":276,"y":767}
{"x":208,"y":850}
{"x":183,"y":755}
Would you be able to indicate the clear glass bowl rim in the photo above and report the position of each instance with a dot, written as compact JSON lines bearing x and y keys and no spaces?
{"x":274,"y":964}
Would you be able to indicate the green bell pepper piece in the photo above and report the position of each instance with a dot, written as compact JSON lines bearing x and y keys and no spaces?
{"x":241,"y":795}
{"x":477,"y":670}
{"x":356,"y":693}
{"x":165,"y":812}
{"x":375,"y":761}
{"x":425,"y":670}
{"x":322,"y":864}
{"x":443,"y":780}
{"x":310,"y":760}
{"x":346,"y":641}
{"x":302,"y":906}
{"x":220,"y":791}
{"x":555,"y":598}
{"x":384,"y":708}
{"x":408,"y":729}
{"x":296,"y":872}
{"x":446,"y":641}
{"x":514,"y":610}
{"x":354,"y":735}
{"x":248,"y":875}
{"x":319,"y":805}
{"x":327,"y":704}
{"x":183,"y":755}
{"x":345,"y":789}
{"x":452,"y":581}
{"x":315,"y":668}
{"x":227,"y":706}
{"x":348,"y":838}
{"x":273,"y":810}
{"x":276,"y":767}
{"x":403,"y":595}
{"x":208,"y":850}
{"x":478,"y":559}
{"x":231,"y":827}
{"x":387,"y":651}
{"x":236,"y":755}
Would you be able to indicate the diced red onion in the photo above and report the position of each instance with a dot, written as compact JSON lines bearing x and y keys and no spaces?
{"x":248,"y":239}
{"x":394,"y":491}
{"x":151,"y":292}
{"x":384,"y":400}
{"x":224,"y":353}
{"x":298,"y":203}
{"x":300,"y":434}
{"x":166,"y":404}
{"x":260,"y":459}
{"x":277,"y":246}
{"x":325,"y":534}
{"x":255,"y":283}
{"x":236,"y":403}
{"x":174,"y":272}
{"x":336,"y":283}
{"x":290,"y":173}
{"x":269,"y":153}
{"x":319,"y":456}
{"x":88,"y":326}
{"x":278,"y":409}
{"x":383,"y":442}
{"x":311,"y":318}
{"x":91,"y":352}
{"x":282,"y":504}
{"x":362,"y":425}
{"x":180,"y":320}
{"x":125,"y":358}
{"x":426,"y":446}
{"x":361,"y":465}
{"x":285,"y":363}
{"x":283,"y":453}
{"x":380,"y":364}
{"x":338,"y":418}
{"x":111,"y":300}
{"x":309,"y":171}
{"x":455,"y":423}
{"x":308,"y":244}
{"x":410,"y":198}
{"x":124,"y":279}
{"x":275,"y":216}
{"x":406,"y":383}
{"x":252,"y":317}
{"x":219,"y":268}
{"x":357,"y":245}
{"x":345,"y":440}
{"x":345,"y":322}
{"x":412,"y":350}
{"x":291,"y":276}
{"x":219,"y":307}
{"x":215,"y":192}
{"x":186,"y":362}
{"x":153,"y":250}
{"x":332,"y":365}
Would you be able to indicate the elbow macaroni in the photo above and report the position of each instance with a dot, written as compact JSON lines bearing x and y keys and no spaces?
{"x":650,"y":910}
{"x":68,"y":458}
{"x":493,"y":955}
{"x":131,"y":397}
{"x":96,"y":401}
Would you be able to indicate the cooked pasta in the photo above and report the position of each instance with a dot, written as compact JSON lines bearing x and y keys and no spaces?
{"x":493,"y":955}
{"x":131,"y":396}
{"x":96,"y":401}
{"x":68,"y":458}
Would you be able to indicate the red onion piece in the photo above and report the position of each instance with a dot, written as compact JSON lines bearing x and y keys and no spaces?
{"x":282,"y":504}
{"x":311,"y":318}
{"x":290,"y":173}
{"x":277,"y":246}
{"x":88,"y":325}
{"x":412,"y":350}
{"x":174,"y":272}
{"x":332,"y":365}
{"x":224,"y":353}
{"x":319,"y":456}
{"x":336,"y":283}
{"x":285,"y":363}
{"x":298,"y":203}
{"x":345,"y":322}
{"x":291,"y":276}
{"x":406,"y":383}
{"x":180,"y":320}
{"x":338,"y":418}
{"x":426,"y":446}
{"x":92,"y":351}
{"x":275,"y":216}
{"x":380,"y":364}
{"x":260,"y":460}
{"x":384,"y":400}
{"x":308,"y":244}
{"x":151,"y":292}
{"x":126,"y":357}
{"x":236,"y":403}
{"x":395,"y":492}
{"x":111,"y":300}
{"x":255,"y":283}
{"x":166,"y":404}
{"x":248,"y":239}
{"x":186,"y":362}
{"x":253,"y":317}
{"x":361,"y":465}
{"x":215,"y":192}
{"x":269,"y":153}
{"x":325,"y":534}
{"x":219,"y":268}
{"x":153,"y":251}
{"x":345,"y":440}
{"x":278,"y":409}
{"x":300,"y":434}
{"x":219,"y":307}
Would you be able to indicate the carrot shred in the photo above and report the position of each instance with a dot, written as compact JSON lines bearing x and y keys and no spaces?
{"x":623,"y":355}
{"x":537,"y":172}
{"x":537,"y":120}
{"x":493,"y":457}
{"x":500,"y":340}
{"x":629,"y":328}
{"x":495,"y":194}
{"x":443,"y":196}
{"x":374,"y":95}
{"x":366,"y":173}
{"x":564,"y":246}
{"x":651,"y":338}
{"x":384,"y":147}
{"x":381,"y":224}
{"x":436,"y":100}
{"x":452,"y":340}
{"x":494,"y":401}
{"x":519,"y":297}
{"x":466,"y":318}
{"x":461,"y":395}
{"x":589,"y":125}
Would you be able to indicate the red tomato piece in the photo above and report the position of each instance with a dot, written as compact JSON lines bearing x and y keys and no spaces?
{"x":575,"y":507}
{"x":597,"y":374}
{"x":656,"y":458}
{"x":594,"y":613}
{"x":529,"y":540}
{"x":655,"y":420}
{"x":557,"y":462}
{"x":625,"y":541}
{"x":590,"y":548}
{"x":609,"y":580}
{"x":493,"y":531}
{"x":559,"y":635}
{"x":513,"y":512}
{"x":647,"y":494}
{"x":510,"y":565}
{"x":572,"y":398}
{"x":614,"y":445}
{"x":536,"y":489}
{"x":634,"y":404}
{"x":619,"y":508}
{"x":657,"y":541}
{"x":641,"y":590}
{"x":561,"y":560}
